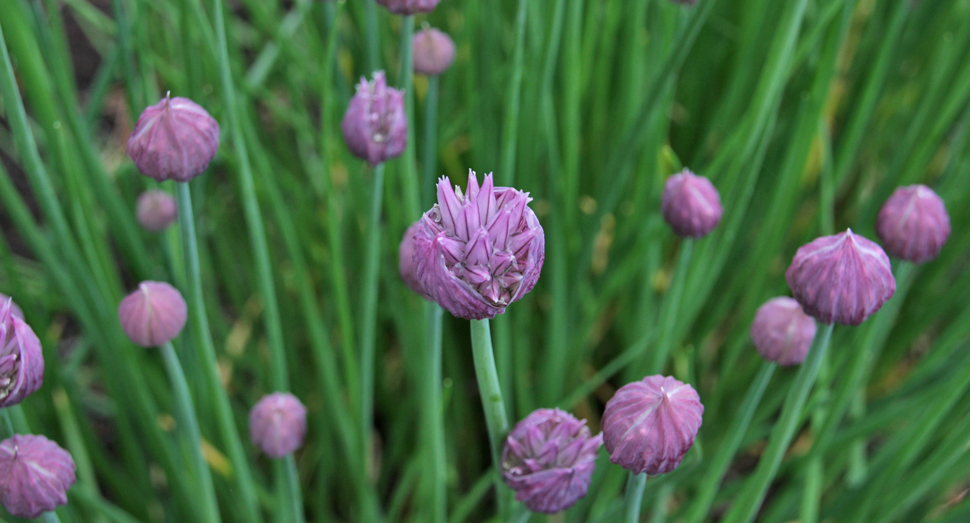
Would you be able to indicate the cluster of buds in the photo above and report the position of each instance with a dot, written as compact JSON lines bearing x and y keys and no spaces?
{"x":374,"y":126}
{"x":174,"y":139}
{"x":277,"y":424}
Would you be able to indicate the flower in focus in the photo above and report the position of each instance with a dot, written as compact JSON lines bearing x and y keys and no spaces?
{"x":843,"y":278}
{"x":782,"y":332}
{"x":913,"y":224}
{"x":21,"y":357}
{"x":35,"y":474}
{"x":405,"y":263}
{"x":153,"y":315}
{"x":277,"y":424}
{"x":691,"y":205}
{"x":434,"y":51}
{"x":14,"y":309}
{"x":174,"y":139}
{"x":650,"y":424}
{"x":156,"y":210}
{"x":548,"y":460}
{"x":374,"y":125}
{"x":409,"y":7}
{"x":477,"y":252}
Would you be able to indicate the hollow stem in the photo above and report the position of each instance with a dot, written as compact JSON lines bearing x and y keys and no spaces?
{"x":670,"y":308}
{"x":635,"y":485}
{"x":434,"y":416}
{"x":368,"y":324}
{"x":492,"y":403}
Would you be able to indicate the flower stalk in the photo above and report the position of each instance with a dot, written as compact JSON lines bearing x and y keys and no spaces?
{"x":492,"y":403}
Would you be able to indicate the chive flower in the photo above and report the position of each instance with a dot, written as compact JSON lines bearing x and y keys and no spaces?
{"x":374,"y":126}
{"x":174,"y":139}
{"x":14,"y":309}
{"x":155,"y":210}
{"x":649,"y":425}
{"x":277,"y":424}
{"x":782,"y":332}
{"x":691,"y":205}
{"x":409,"y":7}
{"x":477,"y":252}
{"x":433,"y":50}
{"x":548,"y":460}
{"x":153,"y":315}
{"x":405,"y":265}
{"x":843,"y":278}
{"x":913,"y":224}
{"x":35,"y":474}
{"x":21,"y":357}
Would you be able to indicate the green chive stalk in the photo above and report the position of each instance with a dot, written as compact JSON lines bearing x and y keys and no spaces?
{"x":633,"y":497}
{"x":492,"y":403}
{"x":368,"y":323}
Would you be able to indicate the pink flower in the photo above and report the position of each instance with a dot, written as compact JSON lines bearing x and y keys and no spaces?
{"x":153,"y":315}
{"x":650,"y":424}
{"x":409,"y":7}
{"x":782,"y":332}
{"x":374,"y":126}
{"x":277,"y":424}
{"x":477,"y":252}
{"x":843,"y":278}
{"x":691,"y":205}
{"x":156,"y":210}
{"x":548,"y":460}
{"x":35,"y":474}
{"x":21,"y":357}
{"x":913,"y":224}
{"x":405,"y":264}
{"x":174,"y":139}
{"x":434,"y":51}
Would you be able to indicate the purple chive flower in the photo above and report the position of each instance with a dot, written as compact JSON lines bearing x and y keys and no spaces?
{"x":21,"y":357}
{"x":843,"y":278}
{"x":691,"y":205}
{"x":650,"y":424}
{"x":684,"y":2}
{"x":14,"y":309}
{"x":548,"y":460}
{"x":782,"y":332}
{"x":35,"y":474}
{"x":375,"y":126}
{"x":277,"y":424}
{"x":156,"y":210}
{"x":174,"y":139}
{"x":913,"y":224}
{"x":405,"y":264}
{"x":477,"y":252}
{"x":153,"y":315}
{"x":434,"y":51}
{"x":409,"y":7}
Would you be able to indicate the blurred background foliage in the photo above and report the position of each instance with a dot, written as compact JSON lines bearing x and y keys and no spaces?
{"x":805,"y":114}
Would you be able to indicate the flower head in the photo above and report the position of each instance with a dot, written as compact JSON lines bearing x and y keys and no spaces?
{"x":843,"y":278}
{"x":782,"y":332}
{"x":434,"y":51}
{"x":14,"y":309}
{"x":35,"y":474}
{"x":650,"y":424}
{"x":21,"y":357}
{"x":156,"y":210}
{"x":477,"y":252}
{"x":548,"y":460}
{"x":153,"y":315}
{"x":277,"y":424}
{"x":174,"y":139}
{"x":913,"y":224}
{"x":405,"y":264}
{"x":691,"y":205}
{"x":409,"y":7}
{"x":374,"y":125}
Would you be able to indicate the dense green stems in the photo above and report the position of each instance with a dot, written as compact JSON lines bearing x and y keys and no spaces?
{"x":434,"y":416}
{"x":409,"y":175}
{"x":747,"y":503}
{"x":373,"y":40}
{"x":429,"y":162}
{"x":368,"y":310}
{"x":203,"y":337}
{"x":510,"y":125}
{"x":671,"y":306}
{"x":492,"y":403}
{"x":633,"y":497}
{"x":187,"y":419}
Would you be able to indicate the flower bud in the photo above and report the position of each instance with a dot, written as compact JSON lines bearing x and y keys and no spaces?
{"x":405,"y":264}
{"x":375,"y":126}
{"x":174,"y":139}
{"x":691,"y":205}
{"x":650,"y":424}
{"x":153,"y":315}
{"x":548,"y":460}
{"x":409,"y":7}
{"x":277,"y":424}
{"x":913,"y":224}
{"x":434,"y":51}
{"x":21,"y":357}
{"x":156,"y":210}
{"x":475,"y":253}
{"x":782,"y":332}
{"x":684,"y":2}
{"x":14,"y":309}
{"x":35,"y":474}
{"x":843,"y":278}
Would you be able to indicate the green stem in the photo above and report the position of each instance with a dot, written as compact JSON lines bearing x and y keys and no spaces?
{"x":671,"y":307}
{"x":429,"y":162}
{"x":635,"y":485}
{"x":292,"y":492}
{"x":368,"y":324}
{"x":510,"y":125}
{"x":187,"y":419}
{"x":492,"y":403}
{"x":747,"y":503}
{"x":5,"y":413}
{"x":434,"y":416}
{"x":203,"y":337}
